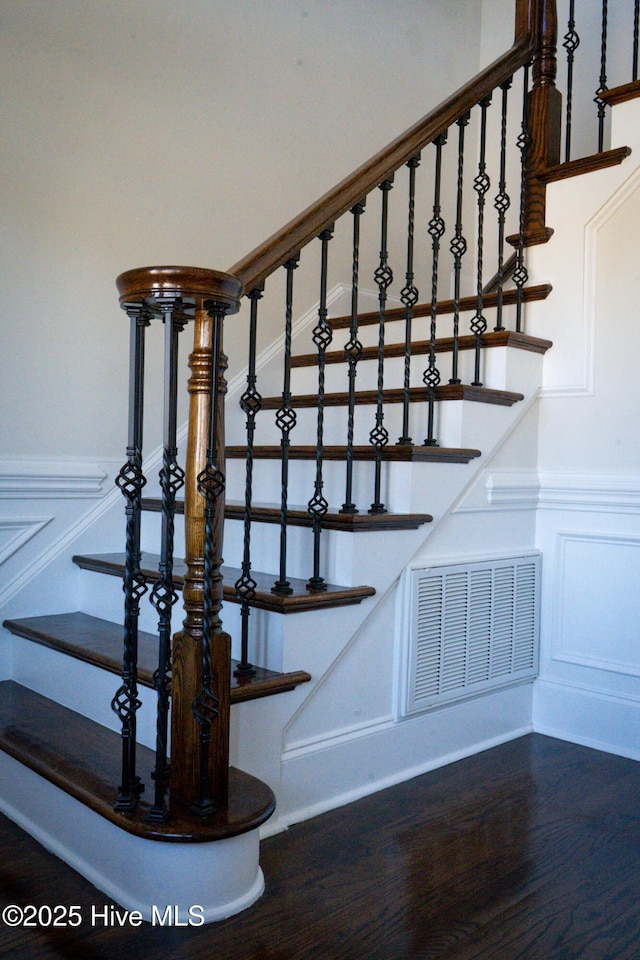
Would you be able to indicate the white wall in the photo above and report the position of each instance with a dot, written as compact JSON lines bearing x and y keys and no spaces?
{"x":155,"y":131}
{"x":589,"y":461}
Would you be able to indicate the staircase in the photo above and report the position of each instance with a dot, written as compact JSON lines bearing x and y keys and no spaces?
{"x":320,"y":628}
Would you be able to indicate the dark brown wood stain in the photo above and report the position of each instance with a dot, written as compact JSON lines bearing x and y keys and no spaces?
{"x":528,"y":851}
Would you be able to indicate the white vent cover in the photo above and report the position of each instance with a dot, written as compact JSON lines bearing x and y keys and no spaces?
{"x":472,"y":628}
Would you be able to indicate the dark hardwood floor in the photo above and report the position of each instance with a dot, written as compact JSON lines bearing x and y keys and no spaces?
{"x":530,"y":850}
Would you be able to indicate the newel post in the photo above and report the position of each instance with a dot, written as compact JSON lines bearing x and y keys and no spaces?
{"x":201,"y":652}
{"x":544,"y":122}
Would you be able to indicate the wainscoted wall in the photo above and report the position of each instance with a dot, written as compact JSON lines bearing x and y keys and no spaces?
{"x":45,"y":505}
{"x":589,"y":685}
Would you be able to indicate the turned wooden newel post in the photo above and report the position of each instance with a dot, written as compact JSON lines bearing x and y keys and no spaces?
{"x":544,"y":122}
{"x":201,"y":655}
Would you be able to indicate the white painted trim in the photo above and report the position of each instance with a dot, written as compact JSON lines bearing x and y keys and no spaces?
{"x":567,"y":710}
{"x":558,"y":652}
{"x":366,"y":789}
{"x":46,"y":479}
{"x":221,"y":877}
{"x":25,"y":529}
{"x":528,"y":490}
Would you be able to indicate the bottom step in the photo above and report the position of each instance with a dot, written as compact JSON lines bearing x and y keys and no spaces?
{"x":58,"y":773}
{"x":83,"y":758}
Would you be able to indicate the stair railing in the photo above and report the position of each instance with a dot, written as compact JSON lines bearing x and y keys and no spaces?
{"x":487,"y":146}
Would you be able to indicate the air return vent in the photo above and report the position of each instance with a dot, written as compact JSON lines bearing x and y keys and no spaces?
{"x":472,"y":628}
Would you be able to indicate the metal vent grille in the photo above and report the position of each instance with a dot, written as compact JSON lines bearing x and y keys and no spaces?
{"x":472,"y":628}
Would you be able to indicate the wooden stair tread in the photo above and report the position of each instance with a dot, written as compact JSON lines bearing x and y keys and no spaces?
{"x":99,"y":642}
{"x":496,"y":338}
{"x":396,"y":453}
{"x":574,"y":168}
{"x":300,"y":600}
{"x":465,"y":304}
{"x":626,"y":91}
{"x":300,"y":517}
{"x":84,"y":759}
{"x":449,"y":391}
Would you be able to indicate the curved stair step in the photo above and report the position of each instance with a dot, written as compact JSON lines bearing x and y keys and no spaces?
{"x":99,"y":642}
{"x":83,"y":758}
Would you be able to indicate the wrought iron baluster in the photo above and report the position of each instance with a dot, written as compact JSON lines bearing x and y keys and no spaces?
{"x":602,"y":87}
{"x":322,"y":336}
{"x":570,"y":44}
{"x":286,"y":420}
{"x":352,"y":352}
{"x":636,"y":34}
{"x":409,"y":296}
{"x":164,"y":596}
{"x":502,"y":203}
{"x":520,"y":274}
{"x":211,"y":484}
{"x":131,"y":481}
{"x":379,"y":436}
{"x":458,"y":247}
{"x":251,"y":404}
{"x":431,"y":376}
{"x":481,"y":185}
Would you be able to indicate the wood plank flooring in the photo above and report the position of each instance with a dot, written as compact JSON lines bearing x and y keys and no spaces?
{"x":530,"y":851}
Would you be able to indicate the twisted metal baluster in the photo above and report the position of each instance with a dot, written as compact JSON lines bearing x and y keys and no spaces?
{"x":211,"y":484}
{"x":481,"y":185}
{"x":353,"y":352}
{"x":520,"y":274}
{"x":502,"y":203}
{"x":251,"y":404}
{"x":458,"y":247}
{"x":431,"y":376}
{"x":131,"y":480}
{"x":322,"y":337}
{"x":409,"y":296}
{"x":636,"y":33}
{"x":602,"y":107}
{"x":286,"y":419}
{"x":164,"y":595}
{"x":570,"y":44}
{"x":379,"y":436}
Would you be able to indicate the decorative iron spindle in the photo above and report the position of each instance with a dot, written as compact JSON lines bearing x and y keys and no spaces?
{"x":131,"y":480}
{"x":431,"y":376}
{"x":379,"y":436}
{"x":251,"y":404}
{"x":164,"y":596}
{"x":601,"y":105}
{"x":482,"y":185}
{"x":286,"y":419}
{"x":570,"y":44}
{"x":502,"y":203}
{"x":318,"y":506}
{"x":458,"y":247}
{"x":409,"y":296}
{"x":520,"y":274}
{"x":636,"y":35}
{"x":211,"y":484}
{"x":352,"y":352}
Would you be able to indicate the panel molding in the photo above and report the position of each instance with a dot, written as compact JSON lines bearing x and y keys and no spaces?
{"x":15,"y":532}
{"x":561,"y":646}
{"x":25,"y":479}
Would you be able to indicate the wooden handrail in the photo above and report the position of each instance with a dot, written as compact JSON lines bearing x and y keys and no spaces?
{"x":268,"y":256}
